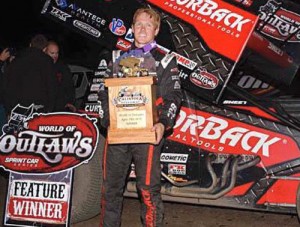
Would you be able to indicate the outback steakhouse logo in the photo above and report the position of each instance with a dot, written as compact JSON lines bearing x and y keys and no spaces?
{"x":49,"y":143}
{"x":203,"y":79}
{"x":215,"y":20}
{"x":220,"y":134}
{"x":279,"y":23}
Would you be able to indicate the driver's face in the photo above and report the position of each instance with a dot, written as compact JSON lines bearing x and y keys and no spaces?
{"x":144,"y":30}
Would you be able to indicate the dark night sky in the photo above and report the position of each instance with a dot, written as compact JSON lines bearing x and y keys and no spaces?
{"x":22,"y":19}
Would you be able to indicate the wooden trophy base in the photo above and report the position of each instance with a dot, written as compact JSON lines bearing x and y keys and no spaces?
{"x":132,"y":110}
{"x":131,"y":136}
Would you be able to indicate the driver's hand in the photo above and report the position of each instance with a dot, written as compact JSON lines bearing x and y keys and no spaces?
{"x":159,"y":130}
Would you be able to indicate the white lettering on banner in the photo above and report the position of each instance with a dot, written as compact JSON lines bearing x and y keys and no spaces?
{"x":176,"y":158}
{"x":215,"y":128}
{"x":22,"y":160}
{"x":211,"y":9}
{"x":47,"y":128}
{"x":50,"y":147}
{"x":37,"y":209}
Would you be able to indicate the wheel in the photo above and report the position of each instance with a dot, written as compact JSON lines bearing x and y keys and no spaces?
{"x":87,"y":185}
{"x":20,"y":128}
{"x":7,"y":130}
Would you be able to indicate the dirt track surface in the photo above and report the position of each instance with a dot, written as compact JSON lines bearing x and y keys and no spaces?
{"x":182,"y":215}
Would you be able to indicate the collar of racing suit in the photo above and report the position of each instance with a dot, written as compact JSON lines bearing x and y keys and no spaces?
{"x":145,"y":49}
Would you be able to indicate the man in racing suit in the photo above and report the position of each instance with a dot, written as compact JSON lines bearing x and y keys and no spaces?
{"x":146,"y":157}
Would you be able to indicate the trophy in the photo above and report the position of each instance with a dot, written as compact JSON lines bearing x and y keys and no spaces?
{"x":132,"y":98}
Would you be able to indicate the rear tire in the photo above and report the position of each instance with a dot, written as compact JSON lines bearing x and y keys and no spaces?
{"x":87,"y":185}
{"x":6,"y":129}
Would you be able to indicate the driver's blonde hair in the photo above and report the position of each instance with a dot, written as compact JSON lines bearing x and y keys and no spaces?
{"x":151,"y":12}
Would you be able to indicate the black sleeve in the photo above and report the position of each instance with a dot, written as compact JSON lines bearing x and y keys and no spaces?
{"x":103,"y":100}
{"x":171,"y":94}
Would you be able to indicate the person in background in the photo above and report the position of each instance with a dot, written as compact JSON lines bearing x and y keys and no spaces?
{"x":30,"y":78}
{"x":4,"y":57}
{"x":146,"y":157}
{"x":65,"y":95}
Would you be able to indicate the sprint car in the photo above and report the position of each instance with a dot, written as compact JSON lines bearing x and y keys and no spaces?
{"x":237,"y":135}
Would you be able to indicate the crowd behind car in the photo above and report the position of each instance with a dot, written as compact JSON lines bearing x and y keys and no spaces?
{"x":35,"y":74}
